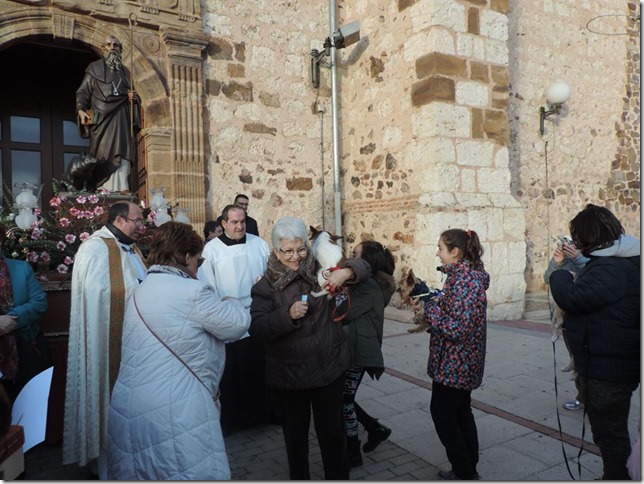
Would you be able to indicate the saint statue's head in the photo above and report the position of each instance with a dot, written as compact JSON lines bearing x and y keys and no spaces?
{"x":112,"y":53}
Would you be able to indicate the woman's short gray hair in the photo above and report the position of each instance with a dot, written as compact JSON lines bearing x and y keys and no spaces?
{"x":289,"y":228}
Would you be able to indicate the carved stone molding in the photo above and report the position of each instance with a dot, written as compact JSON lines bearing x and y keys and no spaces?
{"x":183,"y":14}
{"x":63,"y":26}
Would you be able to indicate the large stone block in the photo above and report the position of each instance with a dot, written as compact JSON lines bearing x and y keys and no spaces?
{"x":494,"y":25}
{"x":447,"y":13}
{"x":438,"y":39}
{"x":441,"y":119}
{"x":473,"y":25}
{"x":434,"y":88}
{"x":471,"y":46}
{"x":443,"y":64}
{"x":439,"y":177}
{"x":470,"y":93}
{"x":475,"y":153}
{"x":497,"y":51}
{"x":496,"y":126}
{"x":494,"y":180}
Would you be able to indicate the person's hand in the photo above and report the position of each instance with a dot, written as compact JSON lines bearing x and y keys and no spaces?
{"x":570,"y":251}
{"x":83,"y":116}
{"x":298,"y":309}
{"x":131,"y":95}
{"x":558,"y":255}
{"x":7,"y":324}
{"x":337,"y":278}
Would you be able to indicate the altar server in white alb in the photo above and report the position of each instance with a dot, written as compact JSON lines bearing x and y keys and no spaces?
{"x":164,"y":415}
{"x":233,"y":263}
{"x":107,"y":269}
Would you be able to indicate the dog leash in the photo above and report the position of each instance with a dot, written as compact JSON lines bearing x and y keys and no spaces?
{"x":583,"y":427}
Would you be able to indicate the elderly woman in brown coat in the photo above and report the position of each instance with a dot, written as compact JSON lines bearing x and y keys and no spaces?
{"x":307,"y":352}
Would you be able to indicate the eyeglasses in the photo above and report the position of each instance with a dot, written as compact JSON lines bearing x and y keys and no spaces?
{"x":200,"y":261}
{"x":137,"y":221}
{"x":302,"y":251}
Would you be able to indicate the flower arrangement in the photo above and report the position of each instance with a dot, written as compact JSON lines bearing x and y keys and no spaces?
{"x":51,"y":243}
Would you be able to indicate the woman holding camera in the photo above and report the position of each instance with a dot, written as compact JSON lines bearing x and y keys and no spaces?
{"x":602,"y":321}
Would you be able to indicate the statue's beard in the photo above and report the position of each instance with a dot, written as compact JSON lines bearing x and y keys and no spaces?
{"x":113,"y":60}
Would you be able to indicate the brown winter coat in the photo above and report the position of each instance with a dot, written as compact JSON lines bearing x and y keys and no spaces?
{"x":309,"y":352}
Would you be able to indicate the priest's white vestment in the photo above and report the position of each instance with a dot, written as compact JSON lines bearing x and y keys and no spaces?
{"x":87,"y":392}
{"x":232,"y":270}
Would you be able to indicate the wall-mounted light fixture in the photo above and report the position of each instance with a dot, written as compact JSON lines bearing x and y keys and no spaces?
{"x":557,"y":94}
{"x":343,"y":37}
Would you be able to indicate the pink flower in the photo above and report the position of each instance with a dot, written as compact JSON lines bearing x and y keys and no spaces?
{"x":62,"y":268}
{"x":70,"y":238}
{"x":81,"y":199}
{"x":32,"y":256}
{"x":44,"y":256}
{"x":83,"y":236}
{"x":36,"y":233}
{"x":93,"y":198}
{"x":69,"y":260}
{"x":37,"y":212}
{"x":64,"y":222}
{"x":73,"y":211}
{"x":98,"y":210}
{"x":55,"y":202}
{"x":61,"y":245}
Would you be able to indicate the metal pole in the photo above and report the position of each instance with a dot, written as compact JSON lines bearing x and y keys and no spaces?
{"x":131,"y":19}
{"x":337,"y":195}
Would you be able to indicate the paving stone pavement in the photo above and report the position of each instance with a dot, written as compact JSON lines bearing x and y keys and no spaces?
{"x":515,"y":411}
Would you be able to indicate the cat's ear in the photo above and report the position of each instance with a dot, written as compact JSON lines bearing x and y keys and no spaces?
{"x":335,"y":238}
{"x":314,"y":232}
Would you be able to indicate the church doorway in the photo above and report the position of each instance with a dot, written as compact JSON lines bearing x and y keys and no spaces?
{"x":38,"y":131}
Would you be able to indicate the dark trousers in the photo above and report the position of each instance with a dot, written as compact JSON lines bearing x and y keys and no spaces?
{"x":607,"y":406}
{"x":295,"y":410}
{"x":452,"y":415}
{"x":245,"y":396}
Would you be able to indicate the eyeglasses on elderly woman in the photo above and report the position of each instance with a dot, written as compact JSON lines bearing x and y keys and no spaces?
{"x":301,"y":251}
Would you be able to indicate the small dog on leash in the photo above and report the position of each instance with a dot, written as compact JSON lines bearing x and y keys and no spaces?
{"x":328,"y":253}
{"x":411,"y":288}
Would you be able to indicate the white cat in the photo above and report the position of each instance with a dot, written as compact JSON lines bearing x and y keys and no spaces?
{"x":328,"y":254}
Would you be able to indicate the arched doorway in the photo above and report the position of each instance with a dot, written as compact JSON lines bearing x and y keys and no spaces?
{"x":38,"y":131}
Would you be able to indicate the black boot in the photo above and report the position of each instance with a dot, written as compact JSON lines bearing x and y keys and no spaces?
{"x":355,"y":456}
{"x":377,"y":433}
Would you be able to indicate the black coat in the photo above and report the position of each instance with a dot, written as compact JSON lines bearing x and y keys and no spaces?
{"x":251,"y":226}
{"x":602,"y":317}
{"x":365,"y":321}
{"x":309,"y":352}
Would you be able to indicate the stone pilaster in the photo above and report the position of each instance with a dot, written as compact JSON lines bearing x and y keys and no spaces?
{"x":185,"y":79}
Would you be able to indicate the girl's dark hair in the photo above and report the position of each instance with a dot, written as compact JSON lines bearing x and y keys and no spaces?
{"x":171,"y":242}
{"x":595,"y":228}
{"x":467,"y":242}
{"x":378,"y":257}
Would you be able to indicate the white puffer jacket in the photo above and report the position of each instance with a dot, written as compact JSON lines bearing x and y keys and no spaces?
{"x":163,"y":423}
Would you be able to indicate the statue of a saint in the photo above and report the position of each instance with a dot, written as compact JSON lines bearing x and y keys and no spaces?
{"x":103,"y":103}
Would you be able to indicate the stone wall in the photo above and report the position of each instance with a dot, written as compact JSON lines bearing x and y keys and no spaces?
{"x":264,"y":134}
{"x":591,"y":151}
{"x":439,"y":124}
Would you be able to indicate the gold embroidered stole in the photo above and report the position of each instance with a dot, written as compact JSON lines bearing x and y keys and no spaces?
{"x":117,"y":308}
